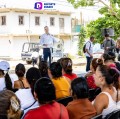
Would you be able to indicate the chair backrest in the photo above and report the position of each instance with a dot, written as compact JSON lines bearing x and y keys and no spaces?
{"x":65,"y":100}
{"x":113,"y":115}
{"x":93,"y":93}
{"x":97,"y":117}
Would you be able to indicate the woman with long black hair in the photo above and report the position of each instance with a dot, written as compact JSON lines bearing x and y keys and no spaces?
{"x":5,"y":81}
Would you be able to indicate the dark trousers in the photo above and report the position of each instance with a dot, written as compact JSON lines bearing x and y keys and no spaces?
{"x":89,"y":59}
{"x":47,"y":54}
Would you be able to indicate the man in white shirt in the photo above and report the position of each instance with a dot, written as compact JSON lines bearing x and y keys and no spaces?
{"x":89,"y":52}
{"x":47,"y":42}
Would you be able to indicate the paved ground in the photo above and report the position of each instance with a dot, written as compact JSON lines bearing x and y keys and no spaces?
{"x":78,"y":65}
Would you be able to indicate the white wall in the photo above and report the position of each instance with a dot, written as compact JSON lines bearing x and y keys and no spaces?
{"x":16,"y":28}
{"x":5,"y":29}
{"x":5,"y":46}
{"x":17,"y":46}
{"x":13,"y":26}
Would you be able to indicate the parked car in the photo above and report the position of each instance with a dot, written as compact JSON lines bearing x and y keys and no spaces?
{"x":29,"y":48}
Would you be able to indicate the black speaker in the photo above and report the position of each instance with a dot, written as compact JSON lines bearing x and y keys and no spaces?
{"x":109,"y":31}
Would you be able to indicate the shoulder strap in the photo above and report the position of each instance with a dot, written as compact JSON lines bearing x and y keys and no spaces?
{"x":90,"y":44}
{"x":111,"y":42}
{"x":30,"y":105}
{"x":21,"y":83}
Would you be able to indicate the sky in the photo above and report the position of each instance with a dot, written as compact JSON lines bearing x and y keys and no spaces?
{"x":61,"y":5}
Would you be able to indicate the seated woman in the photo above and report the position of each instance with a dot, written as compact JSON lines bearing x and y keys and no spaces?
{"x":9,"y":105}
{"x":25,"y":95}
{"x":66,"y":64}
{"x":5,"y":81}
{"x":22,"y":82}
{"x":107,"y":100}
{"x":49,"y":109}
{"x":109,"y":60}
{"x":62,"y":86}
{"x":89,"y":77}
{"x":80,"y":107}
{"x":43,"y":67}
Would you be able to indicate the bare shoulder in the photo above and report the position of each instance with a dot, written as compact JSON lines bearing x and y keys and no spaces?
{"x":101,"y":102}
{"x":16,"y":84}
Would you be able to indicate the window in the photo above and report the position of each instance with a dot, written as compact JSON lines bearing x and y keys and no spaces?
{"x":61,"y":22}
{"x":21,"y":20}
{"x":37,"y":20}
{"x":3,"y":20}
{"x":52,"y":21}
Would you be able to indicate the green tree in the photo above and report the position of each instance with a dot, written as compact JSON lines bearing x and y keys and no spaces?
{"x":82,"y":36}
{"x":111,"y":17}
{"x":113,"y":6}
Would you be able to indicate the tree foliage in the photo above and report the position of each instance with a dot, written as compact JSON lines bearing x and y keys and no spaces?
{"x":110,"y":19}
{"x":82,"y":36}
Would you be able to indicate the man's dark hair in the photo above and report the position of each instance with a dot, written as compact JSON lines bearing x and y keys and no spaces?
{"x":80,"y":88}
{"x":45,"y":26}
{"x":106,"y":35}
{"x":45,"y":90}
{"x":92,"y":37}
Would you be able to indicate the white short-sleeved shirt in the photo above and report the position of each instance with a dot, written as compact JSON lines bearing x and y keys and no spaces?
{"x":35,"y":55}
{"x":26,"y":98}
{"x":47,"y":39}
{"x":89,"y":47}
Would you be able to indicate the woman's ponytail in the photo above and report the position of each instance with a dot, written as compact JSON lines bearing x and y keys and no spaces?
{"x":8,"y":81}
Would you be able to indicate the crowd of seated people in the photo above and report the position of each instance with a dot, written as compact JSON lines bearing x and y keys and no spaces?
{"x":38,"y":92}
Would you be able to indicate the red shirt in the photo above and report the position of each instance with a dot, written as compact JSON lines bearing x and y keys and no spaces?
{"x":48,"y":111}
{"x":91,"y":82}
{"x":71,"y":76}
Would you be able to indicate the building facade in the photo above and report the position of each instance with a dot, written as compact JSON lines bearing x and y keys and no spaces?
{"x":18,"y":26}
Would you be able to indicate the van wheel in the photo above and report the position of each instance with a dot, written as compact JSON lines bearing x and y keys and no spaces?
{"x":29,"y":62}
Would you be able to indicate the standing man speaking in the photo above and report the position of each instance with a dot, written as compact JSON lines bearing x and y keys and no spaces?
{"x":47,"y":42}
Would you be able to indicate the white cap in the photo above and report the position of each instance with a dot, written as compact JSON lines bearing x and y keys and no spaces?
{"x":4,"y":65}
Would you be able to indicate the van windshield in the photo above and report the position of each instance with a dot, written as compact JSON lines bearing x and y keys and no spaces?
{"x":25,"y":47}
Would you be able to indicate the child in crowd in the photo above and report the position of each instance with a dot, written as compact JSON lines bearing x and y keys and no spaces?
{"x":80,"y":107}
{"x":49,"y":109}
{"x":20,"y":72}
{"x":61,"y":84}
